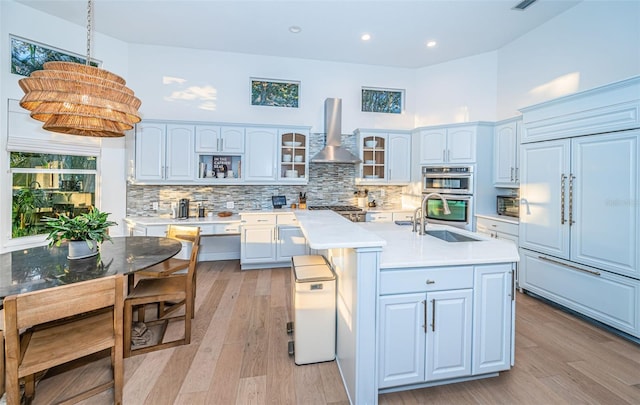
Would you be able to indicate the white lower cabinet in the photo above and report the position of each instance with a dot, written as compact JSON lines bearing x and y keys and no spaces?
{"x":270,"y":240}
{"x":459,"y":325}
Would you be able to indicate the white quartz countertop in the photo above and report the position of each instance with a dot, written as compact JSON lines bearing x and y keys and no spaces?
{"x":149,"y":221}
{"x":327,"y":230}
{"x":401,"y":247}
{"x":405,"y":248}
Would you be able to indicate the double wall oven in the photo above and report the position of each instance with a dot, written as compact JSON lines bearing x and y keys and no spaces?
{"x":456,"y":184}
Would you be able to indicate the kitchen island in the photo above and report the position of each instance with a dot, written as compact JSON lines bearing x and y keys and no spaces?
{"x":415,"y":311}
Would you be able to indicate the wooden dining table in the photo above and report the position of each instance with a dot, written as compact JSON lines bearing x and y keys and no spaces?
{"x":42,"y":267}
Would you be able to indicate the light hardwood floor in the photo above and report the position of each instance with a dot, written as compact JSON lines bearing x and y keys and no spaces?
{"x":238,"y":355}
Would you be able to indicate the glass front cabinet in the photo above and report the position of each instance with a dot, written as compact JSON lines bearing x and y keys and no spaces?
{"x":293,"y":155}
{"x":385,"y":157}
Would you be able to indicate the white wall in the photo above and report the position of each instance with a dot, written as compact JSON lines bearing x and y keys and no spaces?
{"x":462,"y":90}
{"x":589,"y":45}
{"x":189,"y":84}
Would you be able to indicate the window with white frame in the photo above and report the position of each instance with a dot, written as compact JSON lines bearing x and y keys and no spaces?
{"x":46,"y":185}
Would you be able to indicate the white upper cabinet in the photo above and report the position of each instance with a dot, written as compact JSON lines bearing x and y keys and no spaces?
{"x":210,"y":138}
{"x":386,"y":157}
{"x":261,"y":154}
{"x":447,"y":145}
{"x":506,"y":146}
{"x":164,"y":152}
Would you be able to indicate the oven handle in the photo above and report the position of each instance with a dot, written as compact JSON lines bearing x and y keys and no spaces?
{"x":464,"y":197}
{"x":446,"y":175}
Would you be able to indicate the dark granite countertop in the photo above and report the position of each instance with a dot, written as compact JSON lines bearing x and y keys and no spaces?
{"x":43,"y":267}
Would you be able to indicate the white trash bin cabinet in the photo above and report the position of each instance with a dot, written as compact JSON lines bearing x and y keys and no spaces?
{"x":314,"y":314}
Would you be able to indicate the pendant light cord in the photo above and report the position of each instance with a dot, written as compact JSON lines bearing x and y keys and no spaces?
{"x":89,"y":27}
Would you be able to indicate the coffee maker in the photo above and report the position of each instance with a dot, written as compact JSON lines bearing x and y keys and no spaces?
{"x":183,"y":208}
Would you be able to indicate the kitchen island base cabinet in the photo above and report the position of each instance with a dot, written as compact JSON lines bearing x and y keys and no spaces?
{"x":444,"y":334}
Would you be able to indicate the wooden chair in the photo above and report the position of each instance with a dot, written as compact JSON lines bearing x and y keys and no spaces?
{"x":177,"y":288}
{"x":172,"y":265}
{"x":59,"y":325}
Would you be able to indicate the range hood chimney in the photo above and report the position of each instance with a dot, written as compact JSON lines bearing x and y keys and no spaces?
{"x":333,"y":152}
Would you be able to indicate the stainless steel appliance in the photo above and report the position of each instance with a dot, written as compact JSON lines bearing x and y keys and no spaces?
{"x":508,"y":205}
{"x":461,"y":207}
{"x":447,"y":179}
{"x":183,"y":208}
{"x":354,"y":214}
{"x":334,"y":152}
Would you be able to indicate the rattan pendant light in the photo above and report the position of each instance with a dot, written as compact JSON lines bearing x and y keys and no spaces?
{"x":72,"y":98}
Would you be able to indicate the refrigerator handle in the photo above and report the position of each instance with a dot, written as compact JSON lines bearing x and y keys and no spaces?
{"x":563,"y":179}
{"x":571,"y":178}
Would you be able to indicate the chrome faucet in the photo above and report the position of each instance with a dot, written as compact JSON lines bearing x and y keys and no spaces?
{"x":415,"y":219}
{"x":423,"y":210}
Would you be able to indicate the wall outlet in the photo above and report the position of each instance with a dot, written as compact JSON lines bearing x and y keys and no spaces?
{"x":382,"y":193}
{"x":154,"y":206}
{"x":230,"y":204}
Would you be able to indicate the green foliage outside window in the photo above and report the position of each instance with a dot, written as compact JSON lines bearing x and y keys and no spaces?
{"x":382,"y":101}
{"x":49,"y":185}
{"x":274,"y":93}
{"x":27,"y":57}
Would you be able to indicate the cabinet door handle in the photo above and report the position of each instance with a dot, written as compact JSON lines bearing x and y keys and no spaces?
{"x":563,"y":179}
{"x":221,"y":144}
{"x":431,"y":281}
{"x":425,"y":315}
{"x":433,"y":315}
{"x":546,"y":259}
{"x":517,"y":178}
{"x":571,"y":178}
{"x":444,"y":155}
{"x":513,"y":284}
{"x":511,"y":176}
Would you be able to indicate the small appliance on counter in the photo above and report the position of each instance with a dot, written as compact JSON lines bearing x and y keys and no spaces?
{"x":183,"y":208}
{"x":508,"y":205}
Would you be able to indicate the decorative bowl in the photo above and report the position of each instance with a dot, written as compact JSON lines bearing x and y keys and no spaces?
{"x":292,"y":143}
{"x":370,"y":144}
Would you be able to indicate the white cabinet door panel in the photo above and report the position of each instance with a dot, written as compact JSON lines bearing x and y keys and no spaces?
{"x":433,"y":145}
{"x":232,"y":139}
{"x":544,"y":187}
{"x":291,"y":242}
{"x":180,"y":154}
{"x":606,"y":231}
{"x":398,"y":158}
{"x":402,"y":339}
{"x":493,"y":303}
{"x":258,"y":244}
{"x":207,"y":138}
{"x":448,"y":334}
{"x":150,"y":148}
{"x":461,"y":145}
{"x":260,"y":154}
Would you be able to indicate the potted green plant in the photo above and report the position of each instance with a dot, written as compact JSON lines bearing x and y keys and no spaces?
{"x":83,"y":232}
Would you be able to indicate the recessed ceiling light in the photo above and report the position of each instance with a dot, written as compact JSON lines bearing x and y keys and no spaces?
{"x":431,"y":44}
{"x":365,"y":37}
{"x":295,"y":29}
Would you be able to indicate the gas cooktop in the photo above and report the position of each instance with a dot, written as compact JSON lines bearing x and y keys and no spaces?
{"x":342,"y":208}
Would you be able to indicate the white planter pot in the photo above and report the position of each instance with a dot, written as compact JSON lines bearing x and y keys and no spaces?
{"x":78,"y":249}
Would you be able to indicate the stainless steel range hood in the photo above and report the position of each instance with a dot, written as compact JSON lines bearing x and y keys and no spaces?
{"x":333,"y":152}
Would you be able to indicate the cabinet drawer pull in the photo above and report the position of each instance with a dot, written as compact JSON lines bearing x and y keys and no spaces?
{"x":595,"y":273}
{"x":431,"y":281}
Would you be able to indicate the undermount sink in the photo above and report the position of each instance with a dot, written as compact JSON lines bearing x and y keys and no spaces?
{"x":448,"y":236}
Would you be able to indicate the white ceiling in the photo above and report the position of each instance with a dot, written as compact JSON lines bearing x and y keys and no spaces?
{"x":331,"y":29}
